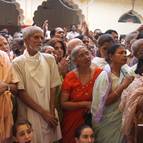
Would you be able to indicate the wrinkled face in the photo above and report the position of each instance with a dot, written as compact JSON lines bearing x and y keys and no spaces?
{"x":34,"y":42}
{"x":83,"y":58}
{"x":4,"y":46}
{"x":24,"y":134}
{"x":119,"y":57}
{"x":87,"y":136}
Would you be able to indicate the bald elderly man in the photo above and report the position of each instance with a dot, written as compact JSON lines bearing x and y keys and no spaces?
{"x":70,"y":46}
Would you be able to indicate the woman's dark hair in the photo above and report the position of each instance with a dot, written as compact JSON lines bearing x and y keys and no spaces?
{"x":79,"y":130}
{"x":122,"y":36}
{"x":103,"y":39}
{"x":18,"y":123}
{"x":139,"y":69}
{"x":52,"y":42}
{"x":112,"y":50}
{"x":110,"y":31}
{"x":140,"y":35}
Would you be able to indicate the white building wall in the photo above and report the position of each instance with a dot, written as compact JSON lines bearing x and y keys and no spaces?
{"x":103,"y":14}
{"x":29,"y":7}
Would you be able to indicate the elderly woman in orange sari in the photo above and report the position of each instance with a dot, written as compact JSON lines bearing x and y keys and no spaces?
{"x":7,"y":85}
{"x":77,"y":92}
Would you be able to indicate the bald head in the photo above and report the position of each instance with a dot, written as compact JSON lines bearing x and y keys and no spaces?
{"x":72,"y":44}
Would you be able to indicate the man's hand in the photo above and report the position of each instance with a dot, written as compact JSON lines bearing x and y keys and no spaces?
{"x":49,"y":118}
{"x":3,"y":87}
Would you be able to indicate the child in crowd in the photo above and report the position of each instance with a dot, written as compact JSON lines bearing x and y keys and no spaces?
{"x":23,"y":132}
{"x":84,"y":134}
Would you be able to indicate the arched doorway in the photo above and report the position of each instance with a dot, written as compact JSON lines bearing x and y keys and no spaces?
{"x":131,"y":16}
{"x":59,"y":13}
{"x":11,"y":15}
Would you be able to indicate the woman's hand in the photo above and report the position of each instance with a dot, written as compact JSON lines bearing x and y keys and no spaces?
{"x":72,"y":105}
{"x":126,"y":82}
{"x":86,"y":104}
{"x":114,"y":95}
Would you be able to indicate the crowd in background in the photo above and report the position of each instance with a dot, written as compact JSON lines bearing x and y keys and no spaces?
{"x":70,"y":85}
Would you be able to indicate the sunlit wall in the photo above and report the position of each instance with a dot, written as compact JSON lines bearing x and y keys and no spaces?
{"x":103,"y":14}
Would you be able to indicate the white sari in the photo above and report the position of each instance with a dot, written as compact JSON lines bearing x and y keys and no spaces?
{"x":106,"y":119}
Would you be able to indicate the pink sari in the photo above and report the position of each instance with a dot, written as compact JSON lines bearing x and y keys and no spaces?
{"x":131,"y":103}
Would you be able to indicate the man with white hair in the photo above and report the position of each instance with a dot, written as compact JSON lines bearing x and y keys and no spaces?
{"x":38,"y":78}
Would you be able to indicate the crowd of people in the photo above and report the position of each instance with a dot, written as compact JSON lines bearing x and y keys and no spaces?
{"x":70,"y":86}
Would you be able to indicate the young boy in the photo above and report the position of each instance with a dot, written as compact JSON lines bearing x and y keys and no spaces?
{"x":23,"y":132}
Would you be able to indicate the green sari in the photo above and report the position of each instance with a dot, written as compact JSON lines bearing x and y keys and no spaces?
{"x":108,"y":129}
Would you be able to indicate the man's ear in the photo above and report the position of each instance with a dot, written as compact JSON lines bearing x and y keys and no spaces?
{"x":26,"y":42}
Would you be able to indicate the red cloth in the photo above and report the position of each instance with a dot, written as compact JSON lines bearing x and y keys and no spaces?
{"x":78,"y":92}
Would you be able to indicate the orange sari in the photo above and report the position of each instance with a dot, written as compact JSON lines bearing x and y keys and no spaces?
{"x":78,"y":92}
{"x":6,"y":119}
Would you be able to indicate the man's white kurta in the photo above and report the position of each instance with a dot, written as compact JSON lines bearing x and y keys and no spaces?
{"x":37,"y":74}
